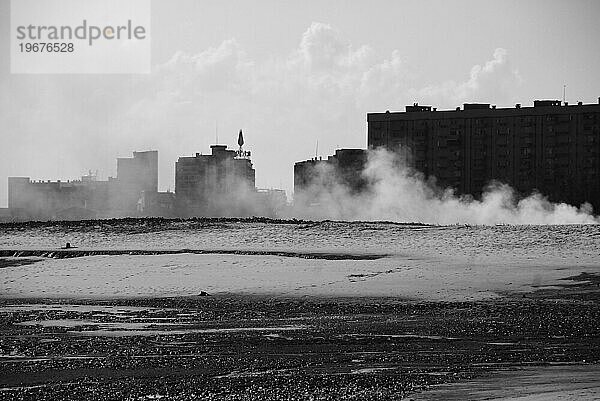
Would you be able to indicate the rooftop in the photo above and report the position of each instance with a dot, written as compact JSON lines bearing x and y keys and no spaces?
{"x":539,"y":107}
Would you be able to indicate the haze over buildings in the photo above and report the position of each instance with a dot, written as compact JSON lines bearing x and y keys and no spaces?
{"x":476,"y":165}
{"x":547,"y":156}
{"x":344,"y":168}
{"x":134,"y":191}
{"x":220,"y":184}
{"x":291,"y":73}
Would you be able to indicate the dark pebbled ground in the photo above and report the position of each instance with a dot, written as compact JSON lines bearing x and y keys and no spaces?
{"x":367,"y":349}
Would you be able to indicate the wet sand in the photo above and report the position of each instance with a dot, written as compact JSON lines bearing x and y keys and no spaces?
{"x":562,"y":382}
{"x":256,"y":347}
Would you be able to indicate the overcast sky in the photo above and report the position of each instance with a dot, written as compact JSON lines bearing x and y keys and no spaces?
{"x":290,"y":73}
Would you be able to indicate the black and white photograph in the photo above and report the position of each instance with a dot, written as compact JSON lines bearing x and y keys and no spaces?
{"x":236,"y":200}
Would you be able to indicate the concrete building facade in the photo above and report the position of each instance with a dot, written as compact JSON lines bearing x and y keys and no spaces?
{"x":219,"y":184}
{"x":550,"y":148}
{"x":135,"y":175}
{"x":343,"y":171}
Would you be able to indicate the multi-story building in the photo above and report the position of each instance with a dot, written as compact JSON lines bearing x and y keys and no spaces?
{"x":342,"y":171}
{"x":550,"y":148}
{"x":135,"y":175}
{"x":219,"y":184}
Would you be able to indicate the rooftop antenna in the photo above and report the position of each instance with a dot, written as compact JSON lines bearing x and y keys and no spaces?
{"x":564,"y":93}
{"x":317,"y":150}
{"x":216,"y":132}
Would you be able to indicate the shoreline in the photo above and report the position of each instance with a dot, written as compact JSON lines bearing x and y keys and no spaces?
{"x":61,"y":253}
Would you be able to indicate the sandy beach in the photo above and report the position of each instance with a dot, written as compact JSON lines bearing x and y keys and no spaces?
{"x":114,"y":276}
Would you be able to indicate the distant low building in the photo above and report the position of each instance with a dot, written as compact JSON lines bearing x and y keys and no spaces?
{"x":271,"y":203}
{"x":5,"y":215}
{"x":340,"y":173}
{"x":57,"y":200}
{"x":157,"y":204}
{"x":86,"y":198}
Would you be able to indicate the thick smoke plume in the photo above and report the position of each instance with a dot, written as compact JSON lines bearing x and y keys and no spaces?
{"x":394,"y":192}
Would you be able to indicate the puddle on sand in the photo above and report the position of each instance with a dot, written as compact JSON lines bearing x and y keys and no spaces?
{"x":124,"y":329}
{"x":128,"y":333}
{"x":77,"y":308}
{"x":370,"y":370}
{"x":23,"y":358}
{"x":86,"y":322}
{"x":417,"y":336}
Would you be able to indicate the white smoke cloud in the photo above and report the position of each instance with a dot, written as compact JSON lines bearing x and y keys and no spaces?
{"x":397,"y":193}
